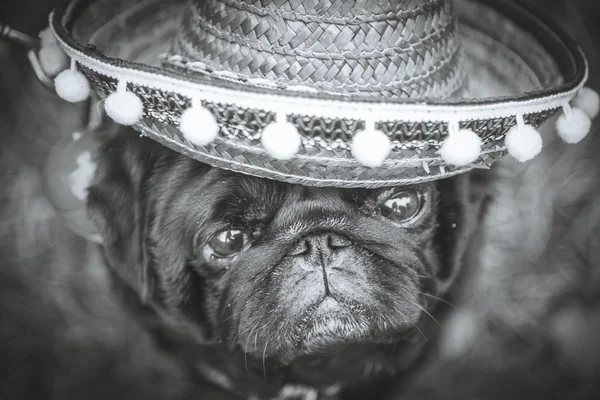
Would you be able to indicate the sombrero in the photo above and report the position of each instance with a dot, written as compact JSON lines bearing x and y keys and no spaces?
{"x":343,"y":93}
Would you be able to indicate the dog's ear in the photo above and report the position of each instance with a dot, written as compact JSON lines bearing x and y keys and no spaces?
{"x":118,"y":205}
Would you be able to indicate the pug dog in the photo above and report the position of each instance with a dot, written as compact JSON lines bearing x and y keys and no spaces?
{"x":323,"y":288}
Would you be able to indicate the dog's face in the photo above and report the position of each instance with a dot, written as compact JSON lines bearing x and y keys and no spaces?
{"x":295,"y":270}
{"x":272,"y":269}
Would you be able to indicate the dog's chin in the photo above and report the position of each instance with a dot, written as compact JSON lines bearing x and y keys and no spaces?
{"x":332,"y":325}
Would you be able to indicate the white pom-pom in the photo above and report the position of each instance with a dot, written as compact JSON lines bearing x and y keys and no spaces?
{"x":47,"y":38}
{"x":198,"y":125}
{"x":124,"y":107}
{"x":281,"y":139}
{"x":522,"y":141}
{"x":72,"y":86}
{"x":588,"y":100}
{"x":371,"y":147}
{"x":573,"y":125}
{"x":53,"y":59}
{"x":461,"y":147}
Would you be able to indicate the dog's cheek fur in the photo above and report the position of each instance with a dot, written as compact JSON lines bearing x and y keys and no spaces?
{"x":184,"y":210}
{"x":117,"y":203}
{"x":147,"y":203}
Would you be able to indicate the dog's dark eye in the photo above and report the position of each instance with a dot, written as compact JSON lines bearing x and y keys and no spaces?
{"x":402,"y":206}
{"x":227,"y":243}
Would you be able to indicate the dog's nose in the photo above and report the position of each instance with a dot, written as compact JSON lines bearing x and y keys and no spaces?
{"x":323,"y":244}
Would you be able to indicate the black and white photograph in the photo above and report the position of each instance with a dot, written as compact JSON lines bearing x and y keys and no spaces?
{"x":299,"y":199}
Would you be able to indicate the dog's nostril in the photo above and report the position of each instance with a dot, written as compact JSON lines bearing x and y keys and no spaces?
{"x":338,"y":242}
{"x":324,"y":243}
{"x":301,"y":248}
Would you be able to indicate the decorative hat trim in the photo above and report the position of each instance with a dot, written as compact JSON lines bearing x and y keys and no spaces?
{"x":326,"y":108}
{"x":311,"y":136}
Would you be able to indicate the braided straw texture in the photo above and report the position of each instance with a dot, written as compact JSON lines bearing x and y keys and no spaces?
{"x":407,"y":49}
{"x":325,"y":158}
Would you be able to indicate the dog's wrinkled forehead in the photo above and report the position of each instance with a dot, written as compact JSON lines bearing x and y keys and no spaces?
{"x":245,"y":199}
{"x":248,"y":199}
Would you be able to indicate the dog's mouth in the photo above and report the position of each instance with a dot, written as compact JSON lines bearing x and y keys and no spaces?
{"x":329,"y":326}
{"x":334,"y":323}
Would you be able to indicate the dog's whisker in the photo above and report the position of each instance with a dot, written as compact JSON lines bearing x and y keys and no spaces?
{"x":415,"y":297}
{"x":256,"y":332}
{"x":425,"y":311}
{"x":413,"y":323}
{"x":225,"y":320}
{"x":237,"y":328}
{"x":436,"y":298}
{"x":246,"y":346}
{"x":264,"y":355}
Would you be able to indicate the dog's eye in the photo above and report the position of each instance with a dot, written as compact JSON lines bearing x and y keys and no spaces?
{"x":402,"y":206}
{"x":227,"y":243}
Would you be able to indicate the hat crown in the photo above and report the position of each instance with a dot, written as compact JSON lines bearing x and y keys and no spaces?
{"x":390,"y":49}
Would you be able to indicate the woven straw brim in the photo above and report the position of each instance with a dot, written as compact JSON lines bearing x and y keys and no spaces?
{"x":516,"y":64}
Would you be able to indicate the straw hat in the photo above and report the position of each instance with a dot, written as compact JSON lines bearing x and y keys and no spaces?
{"x":344,"y":93}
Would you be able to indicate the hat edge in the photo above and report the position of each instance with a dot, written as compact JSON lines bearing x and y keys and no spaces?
{"x":60,"y":20}
{"x":464,"y":111}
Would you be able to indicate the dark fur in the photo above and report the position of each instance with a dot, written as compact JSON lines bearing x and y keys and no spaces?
{"x":156,"y":209}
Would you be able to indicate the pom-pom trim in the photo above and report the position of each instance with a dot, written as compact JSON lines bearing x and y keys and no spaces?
{"x":71,"y":85}
{"x":462,"y":146}
{"x":198,"y":124}
{"x":123,"y":106}
{"x":573,"y":125}
{"x":588,"y":100}
{"x":523,"y":141}
{"x":371,"y":147}
{"x":281,"y":138}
